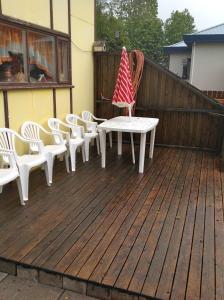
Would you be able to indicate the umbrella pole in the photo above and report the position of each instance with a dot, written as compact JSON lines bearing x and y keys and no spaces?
{"x":129,"y":112}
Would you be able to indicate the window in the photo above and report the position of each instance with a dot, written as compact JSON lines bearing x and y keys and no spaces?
{"x":63,"y":60}
{"x":41,"y":57}
{"x":12,"y":55}
{"x":33,"y":57}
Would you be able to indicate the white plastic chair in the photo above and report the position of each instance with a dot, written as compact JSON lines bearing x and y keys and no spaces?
{"x":72,"y":143}
{"x":24,"y":162}
{"x":32,"y":130}
{"x":89,"y":117}
{"x":79,"y":131}
{"x":11,"y":173}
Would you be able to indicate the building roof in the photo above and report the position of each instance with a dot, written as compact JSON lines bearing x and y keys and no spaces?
{"x":179,"y":47}
{"x":218,"y":29}
{"x":213,"y":34}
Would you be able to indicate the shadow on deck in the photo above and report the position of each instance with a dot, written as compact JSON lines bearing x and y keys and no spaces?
{"x":117,"y":234}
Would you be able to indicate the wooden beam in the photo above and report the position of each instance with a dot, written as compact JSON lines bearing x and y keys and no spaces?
{"x":171,"y":109}
{"x":71,"y":101}
{"x":51,"y":15}
{"x":11,"y":86}
{"x":6,"y":108}
{"x":27,"y":25}
{"x":69,"y":18}
{"x":54,"y":103}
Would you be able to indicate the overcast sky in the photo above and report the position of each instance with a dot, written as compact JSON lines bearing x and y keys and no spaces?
{"x":206,"y":13}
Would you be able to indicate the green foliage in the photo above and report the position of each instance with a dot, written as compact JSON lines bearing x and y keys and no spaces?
{"x":110,"y":28}
{"x":178,"y":24}
{"x":135,"y":24}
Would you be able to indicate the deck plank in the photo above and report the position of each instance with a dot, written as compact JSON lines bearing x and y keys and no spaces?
{"x":158,"y":234}
{"x":208,"y":267}
{"x":92,"y":261}
{"x":183,"y":228}
{"x":141,"y":280}
{"x":132,"y":265}
{"x":46,"y":222}
{"x":179,"y":199}
{"x":219,"y":230}
{"x":129,"y":229}
{"x":87,"y":243}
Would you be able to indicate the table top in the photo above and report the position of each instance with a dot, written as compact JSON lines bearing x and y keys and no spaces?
{"x":125,"y":124}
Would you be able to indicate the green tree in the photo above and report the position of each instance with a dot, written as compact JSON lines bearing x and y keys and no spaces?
{"x":179,"y":23}
{"x":109,"y":27}
{"x":134,"y":8}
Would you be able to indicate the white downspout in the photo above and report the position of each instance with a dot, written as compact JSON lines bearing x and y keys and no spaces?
{"x":192,"y":63}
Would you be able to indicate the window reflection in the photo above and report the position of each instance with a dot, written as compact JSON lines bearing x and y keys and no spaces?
{"x":12,"y":54}
{"x":41,"y":49}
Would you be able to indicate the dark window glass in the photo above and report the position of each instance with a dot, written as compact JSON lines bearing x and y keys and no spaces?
{"x":12,"y":54}
{"x":41,"y":50}
{"x":63,"y":60}
{"x":186,"y":68}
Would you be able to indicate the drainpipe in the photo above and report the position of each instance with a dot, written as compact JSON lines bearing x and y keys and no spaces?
{"x":192,"y":63}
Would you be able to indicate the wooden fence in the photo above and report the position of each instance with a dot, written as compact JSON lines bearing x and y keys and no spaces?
{"x":188,"y":118}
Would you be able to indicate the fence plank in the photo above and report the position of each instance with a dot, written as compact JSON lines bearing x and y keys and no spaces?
{"x":188,"y":117}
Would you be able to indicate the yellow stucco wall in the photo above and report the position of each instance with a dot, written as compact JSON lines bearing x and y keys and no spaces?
{"x":30,"y":105}
{"x":82,"y":24}
{"x":33,"y":11}
{"x":60,"y":11}
{"x":37,"y":105}
{"x":63,"y":103}
{"x":2,"y":119}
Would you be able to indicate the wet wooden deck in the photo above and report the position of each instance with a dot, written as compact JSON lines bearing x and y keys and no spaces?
{"x":159,"y":235}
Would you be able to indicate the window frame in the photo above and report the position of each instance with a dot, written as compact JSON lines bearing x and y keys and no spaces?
{"x":57,"y":35}
{"x":58,"y":39}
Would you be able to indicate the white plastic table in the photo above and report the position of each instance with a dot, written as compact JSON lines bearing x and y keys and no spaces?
{"x":133,"y":125}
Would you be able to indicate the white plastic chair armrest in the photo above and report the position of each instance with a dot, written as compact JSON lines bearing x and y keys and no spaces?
{"x":10,"y":154}
{"x":99,"y":119}
{"x":39,"y":143}
{"x":58,"y":132}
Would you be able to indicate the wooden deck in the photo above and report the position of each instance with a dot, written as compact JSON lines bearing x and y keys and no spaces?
{"x":158,"y":235}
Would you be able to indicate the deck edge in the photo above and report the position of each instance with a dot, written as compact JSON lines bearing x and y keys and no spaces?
{"x":68,"y":282}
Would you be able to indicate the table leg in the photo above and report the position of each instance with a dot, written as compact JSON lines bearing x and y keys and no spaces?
{"x":102,"y":135}
{"x":142,"y":152}
{"x":152,"y":140}
{"x":132,"y":148}
{"x":119,"y":143}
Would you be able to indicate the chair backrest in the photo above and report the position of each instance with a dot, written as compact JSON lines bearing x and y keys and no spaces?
{"x":54,"y":125}
{"x":72,"y":119}
{"x":77,"y":131}
{"x":31,"y":130}
{"x":7,"y":142}
{"x":87,"y":116}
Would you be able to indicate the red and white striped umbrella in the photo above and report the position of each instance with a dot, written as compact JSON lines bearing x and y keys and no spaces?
{"x":123,"y":93}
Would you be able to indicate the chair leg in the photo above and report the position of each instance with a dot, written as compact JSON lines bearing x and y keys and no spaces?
{"x":24,"y":172}
{"x":110,"y":139}
{"x":72,"y":149}
{"x":50,"y":166}
{"x":18,"y":181}
{"x":47,"y":173}
{"x":83,"y":153}
{"x":86,"y":144}
{"x":98,"y":145}
{"x":67,"y":161}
